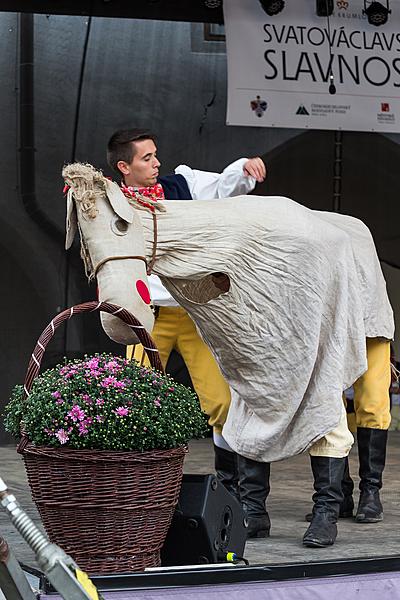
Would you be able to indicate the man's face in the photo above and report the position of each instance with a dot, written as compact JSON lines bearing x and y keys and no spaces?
{"x":143,"y":170}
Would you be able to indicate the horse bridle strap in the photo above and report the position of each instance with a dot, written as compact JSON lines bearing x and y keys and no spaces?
{"x":149,"y":266}
{"x":154,"y":251}
{"x":105,"y":260}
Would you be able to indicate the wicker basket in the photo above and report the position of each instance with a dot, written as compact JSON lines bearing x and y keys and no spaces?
{"x":109,"y":510}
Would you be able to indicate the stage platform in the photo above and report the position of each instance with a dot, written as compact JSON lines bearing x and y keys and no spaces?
{"x":290,"y":499}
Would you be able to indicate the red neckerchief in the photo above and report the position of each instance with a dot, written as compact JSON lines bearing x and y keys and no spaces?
{"x":154,"y":192}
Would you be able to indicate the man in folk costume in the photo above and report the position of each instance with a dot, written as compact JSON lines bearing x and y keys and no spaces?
{"x":135,"y":158}
{"x":132,"y":154}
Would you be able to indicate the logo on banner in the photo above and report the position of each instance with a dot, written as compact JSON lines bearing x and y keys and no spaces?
{"x":259,"y":106}
{"x":385,"y":116}
{"x":302,"y":110}
{"x":285,"y":72}
{"x":344,"y":10}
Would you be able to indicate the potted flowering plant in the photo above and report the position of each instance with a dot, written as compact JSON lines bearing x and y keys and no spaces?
{"x":103,"y":440}
{"x":105,"y":402}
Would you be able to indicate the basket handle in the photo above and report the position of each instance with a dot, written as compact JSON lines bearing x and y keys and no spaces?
{"x":47,"y":334}
{"x":117,"y":311}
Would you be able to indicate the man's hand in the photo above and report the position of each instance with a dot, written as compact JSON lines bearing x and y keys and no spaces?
{"x":256,"y":168}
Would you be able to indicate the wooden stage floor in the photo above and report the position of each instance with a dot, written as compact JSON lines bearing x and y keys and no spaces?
{"x":290,"y":499}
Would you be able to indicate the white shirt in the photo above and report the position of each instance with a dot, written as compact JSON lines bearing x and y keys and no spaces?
{"x":204,"y":185}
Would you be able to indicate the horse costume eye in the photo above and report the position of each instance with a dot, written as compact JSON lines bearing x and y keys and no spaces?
{"x":119,"y":226}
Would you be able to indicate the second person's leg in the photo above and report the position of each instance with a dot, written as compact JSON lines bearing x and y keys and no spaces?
{"x":213,"y":393}
{"x":372,"y":409}
{"x":231,"y":469}
{"x":328,"y":457}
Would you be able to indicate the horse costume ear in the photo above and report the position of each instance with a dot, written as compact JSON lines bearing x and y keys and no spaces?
{"x":71,"y":224}
{"x":118,"y":202}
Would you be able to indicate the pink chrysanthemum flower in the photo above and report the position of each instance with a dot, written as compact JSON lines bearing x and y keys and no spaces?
{"x":76,"y":413}
{"x":113,"y":365}
{"x":108,"y":381}
{"x":121,"y":411}
{"x":62,"y":436}
{"x":120,"y":385}
{"x":87,"y":399}
{"x":83,"y":430}
{"x":93,"y":363}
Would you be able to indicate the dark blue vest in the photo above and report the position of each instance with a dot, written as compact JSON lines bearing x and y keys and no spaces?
{"x":175,"y":187}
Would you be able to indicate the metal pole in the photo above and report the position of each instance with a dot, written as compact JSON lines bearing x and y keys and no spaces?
{"x":13,"y":582}
{"x":337,"y":171}
{"x":59,"y":567}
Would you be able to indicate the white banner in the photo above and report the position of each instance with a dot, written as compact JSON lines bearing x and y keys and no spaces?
{"x":279,"y":66}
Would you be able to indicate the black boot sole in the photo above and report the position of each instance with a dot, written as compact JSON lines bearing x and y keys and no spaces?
{"x":261,"y":533}
{"x":317,"y":543}
{"x":369,"y":508}
{"x":362,"y":519}
{"x":258,"y":527}
{"x":345,"y":515}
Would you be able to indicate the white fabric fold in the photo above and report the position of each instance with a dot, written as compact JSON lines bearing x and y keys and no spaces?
{"x":306,"y":289}
{"x":204,"y":185}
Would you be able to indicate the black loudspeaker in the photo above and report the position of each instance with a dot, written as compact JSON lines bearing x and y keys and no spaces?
{"x":207,"y":524}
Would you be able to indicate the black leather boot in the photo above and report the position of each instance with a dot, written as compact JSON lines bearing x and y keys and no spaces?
{"x":347,"y":506}
{"x":328,"y":474}
{"x":226,"y":469}
{"x":372,"y":458}
{"x":254,"y":489}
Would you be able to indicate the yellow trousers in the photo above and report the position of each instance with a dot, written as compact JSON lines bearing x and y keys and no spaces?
{"x":371,"y":390}
{"x":371,"y":403}
{"x":175,"y":330}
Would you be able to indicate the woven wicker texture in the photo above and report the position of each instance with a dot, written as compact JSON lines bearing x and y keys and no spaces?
{"x":109,"y":510}
{"x":121,"y":313}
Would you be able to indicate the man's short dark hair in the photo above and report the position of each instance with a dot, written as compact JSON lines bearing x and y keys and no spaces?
{"x":120,"y":146}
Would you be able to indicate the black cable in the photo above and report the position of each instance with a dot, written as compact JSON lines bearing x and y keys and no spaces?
{"x":25,"y":159}
{"x":73,"y":159}
{"x":206,"y":107}
{"x":26,"y":150}
{"x":232,"y":557}
{"x":338,"y":156}
{"x":332,"y":87}
{"x":337,"y":170}
{"x":80,"y":87}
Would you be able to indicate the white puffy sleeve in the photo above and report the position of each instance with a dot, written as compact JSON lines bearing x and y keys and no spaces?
{"x":204,"y":185}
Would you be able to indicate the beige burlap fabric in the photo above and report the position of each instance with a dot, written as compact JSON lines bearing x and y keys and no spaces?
{"x":306,"y":289}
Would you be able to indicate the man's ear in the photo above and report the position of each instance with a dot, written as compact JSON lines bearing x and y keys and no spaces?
{"x":123,"y":167}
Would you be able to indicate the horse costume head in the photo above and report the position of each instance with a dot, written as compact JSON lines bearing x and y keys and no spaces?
{"x":112,"y":246}
{"x":306,"y":290}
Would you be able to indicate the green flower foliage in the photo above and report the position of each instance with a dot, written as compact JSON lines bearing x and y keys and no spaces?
{"x":106,"y":402}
